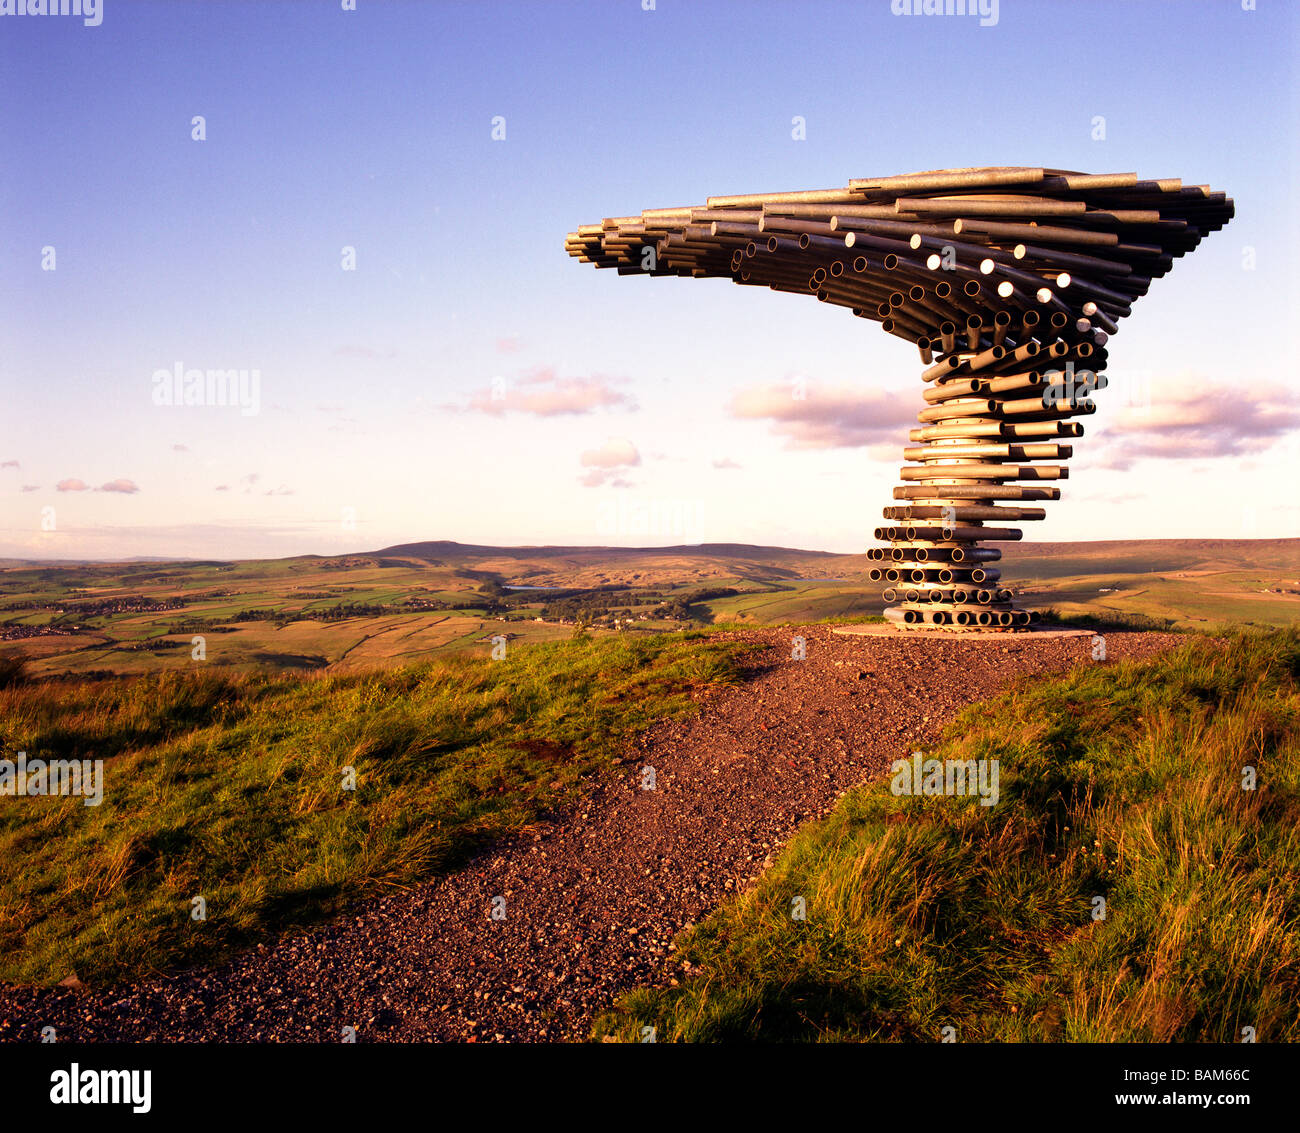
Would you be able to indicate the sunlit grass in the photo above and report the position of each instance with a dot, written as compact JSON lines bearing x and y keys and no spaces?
{"x":230,"y":787}
{"x":1118,"y":781}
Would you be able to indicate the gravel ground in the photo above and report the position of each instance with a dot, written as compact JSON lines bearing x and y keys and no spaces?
{"x":592,"y":899}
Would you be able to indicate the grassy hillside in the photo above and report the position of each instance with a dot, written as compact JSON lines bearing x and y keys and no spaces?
{"x":1206,"y":584}
{"x":1118,"y":781}
{"x":230,"y":787}
{"x":352,"y":613}
{"x":414,"y":602}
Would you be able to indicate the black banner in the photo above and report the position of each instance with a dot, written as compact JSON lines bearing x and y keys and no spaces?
{"x":338,"y":1082}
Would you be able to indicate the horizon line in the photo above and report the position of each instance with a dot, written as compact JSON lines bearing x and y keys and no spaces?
{"x":489,"y":548}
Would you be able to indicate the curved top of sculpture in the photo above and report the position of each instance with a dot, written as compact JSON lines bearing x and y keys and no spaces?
{"x":919,"y":251}
{"x":1006,"y":274}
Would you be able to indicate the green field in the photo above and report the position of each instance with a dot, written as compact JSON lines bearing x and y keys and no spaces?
{"x":232,"y":788}
{"x":1188,"y":584}
{"x":408,"y":604}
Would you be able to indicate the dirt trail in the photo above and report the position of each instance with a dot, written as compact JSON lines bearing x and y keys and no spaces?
{"x":591,"y":901}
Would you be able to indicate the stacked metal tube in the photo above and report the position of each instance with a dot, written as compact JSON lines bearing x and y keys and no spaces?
{"x":1009,"y":280}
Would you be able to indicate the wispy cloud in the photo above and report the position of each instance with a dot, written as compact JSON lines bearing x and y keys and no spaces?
{"x":121,"y":484}
{"x":725,"y":463}
{"x":1187,"y":416}
{"x":608,"y":464}
{"x":72,"y":485}
{"x":543,"y":393}
{"x":827,"y":416}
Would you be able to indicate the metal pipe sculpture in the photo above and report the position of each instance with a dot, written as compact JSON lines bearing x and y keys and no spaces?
{"x":1009,"y":280}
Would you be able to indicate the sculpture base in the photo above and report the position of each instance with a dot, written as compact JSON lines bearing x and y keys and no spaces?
{"x":1033,"y":633}
{"x":963,"y":618}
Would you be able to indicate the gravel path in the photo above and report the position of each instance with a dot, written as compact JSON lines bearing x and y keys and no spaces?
{"x":591,"y":900}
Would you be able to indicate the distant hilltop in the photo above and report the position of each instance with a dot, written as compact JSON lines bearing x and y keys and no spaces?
{"x":447,"y":549}
{"x":1151,"y":554}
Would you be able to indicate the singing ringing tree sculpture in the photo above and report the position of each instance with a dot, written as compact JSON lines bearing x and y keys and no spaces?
{"x":1009,"y":280}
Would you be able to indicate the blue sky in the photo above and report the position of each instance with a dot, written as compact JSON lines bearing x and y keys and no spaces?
{"x":372,"y":129}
